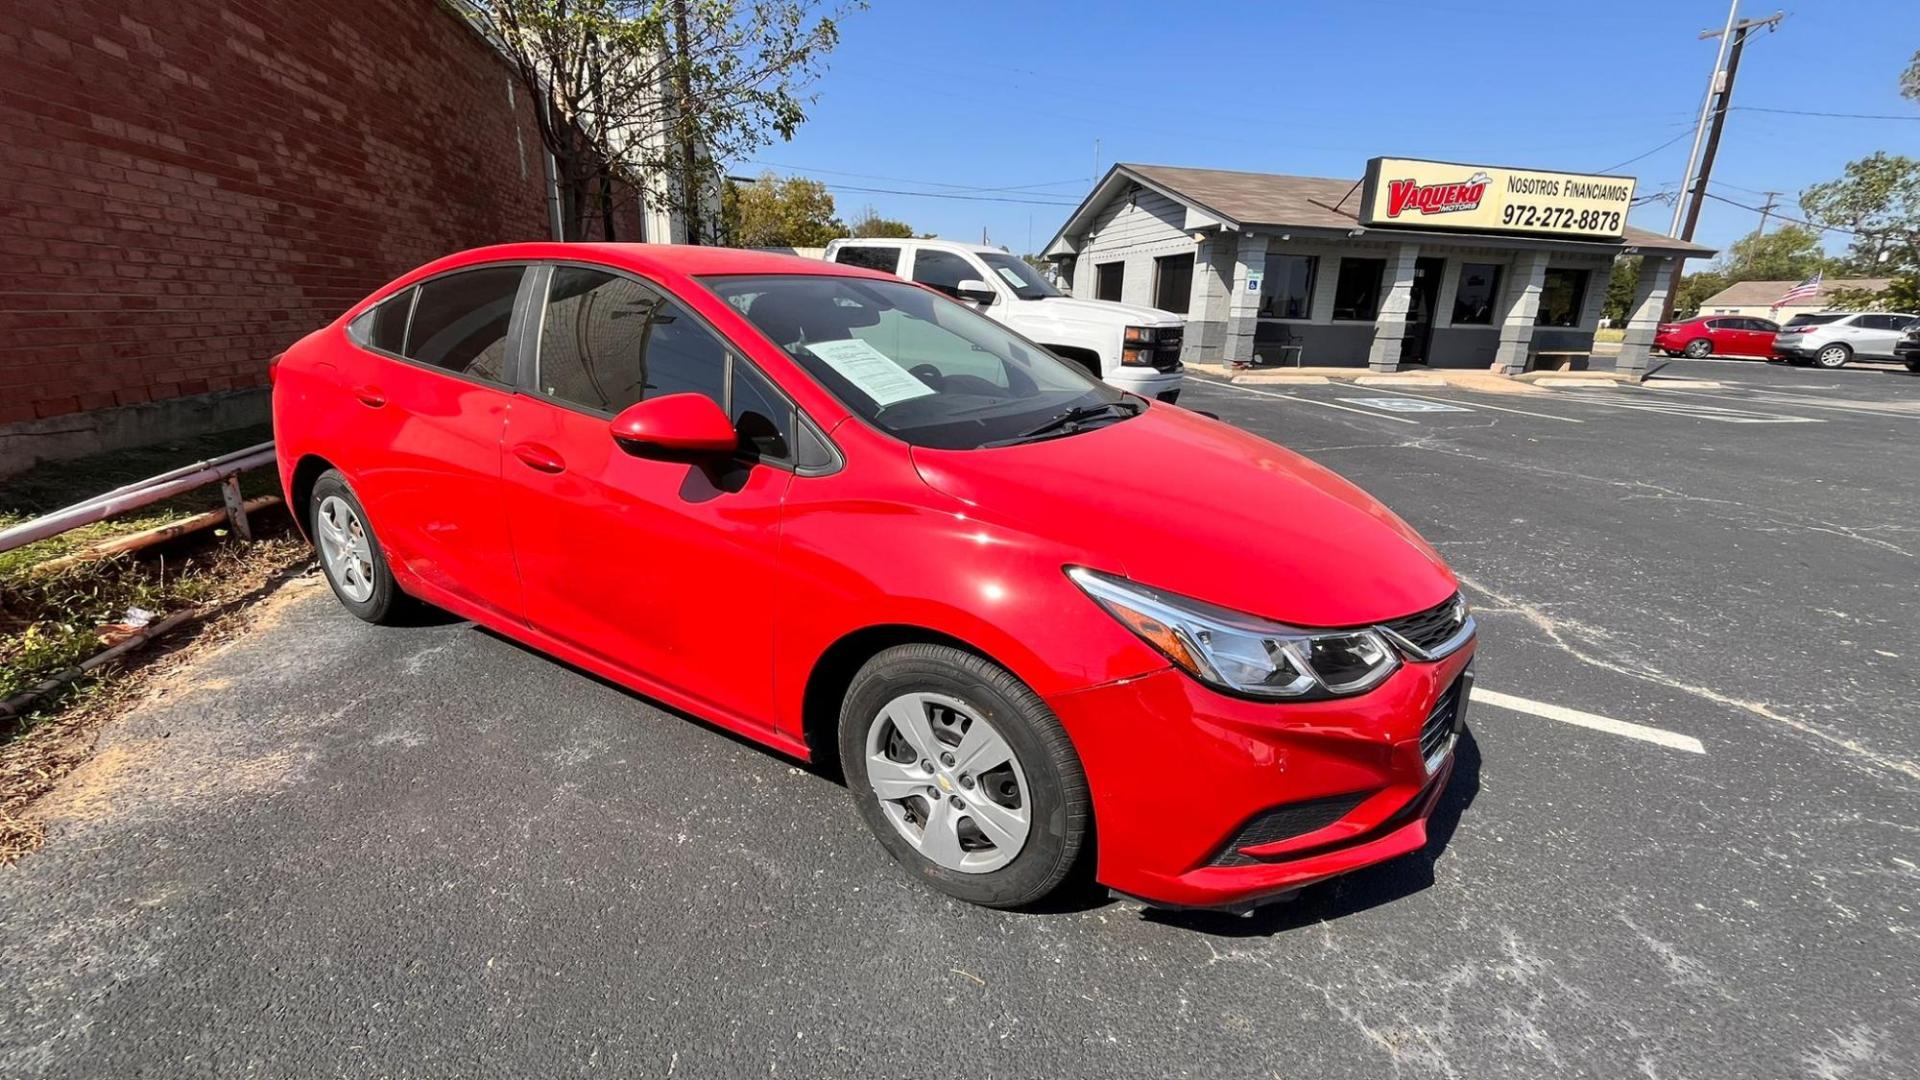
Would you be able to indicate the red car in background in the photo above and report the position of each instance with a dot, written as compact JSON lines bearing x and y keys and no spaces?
{"x":1717,"y":335}
{"x":855,"y":521}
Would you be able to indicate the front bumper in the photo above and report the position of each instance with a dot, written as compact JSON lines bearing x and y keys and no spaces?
{"x":1149,"y":383}
{"x":1793,"y":351}
{"x":1206,"y":800}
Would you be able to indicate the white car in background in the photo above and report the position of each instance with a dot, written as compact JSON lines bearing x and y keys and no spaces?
{"x":1134,"y":348}
{"x":1832,"y":338}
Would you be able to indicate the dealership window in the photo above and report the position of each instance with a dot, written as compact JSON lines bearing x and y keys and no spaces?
{"x":1173,"y":283}
{"x":1478,"y":291}
{"x":1562,"y":294}
{"x":1107,"y":280}
{"x":1356,"y":291}
{"x":1287,"y":292}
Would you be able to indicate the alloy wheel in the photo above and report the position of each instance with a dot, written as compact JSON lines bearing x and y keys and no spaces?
{"x":949,"y":782}
{"x":1832,"y":356}
{"x":345,"y":548}
{"x":1700,"y":348}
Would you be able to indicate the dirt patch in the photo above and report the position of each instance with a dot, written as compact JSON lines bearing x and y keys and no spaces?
{"x":252,"y":597}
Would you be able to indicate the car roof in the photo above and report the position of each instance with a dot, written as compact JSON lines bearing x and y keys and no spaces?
{"x":920,"y":241}
{"x":657,"y":260}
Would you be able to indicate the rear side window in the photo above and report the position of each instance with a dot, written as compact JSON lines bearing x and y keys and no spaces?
{"x":460,"y":322}
{"x":384,"y":326}
{"x":886,"y":259}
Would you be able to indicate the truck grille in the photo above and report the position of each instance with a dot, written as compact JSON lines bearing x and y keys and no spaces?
{"x":1430,"y":629}
{"x":1166,"y":349}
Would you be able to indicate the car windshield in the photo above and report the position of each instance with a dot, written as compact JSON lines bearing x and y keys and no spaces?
{"x":1812,"y":320}
{"x":1024,"y":280}
{"x":921,"y":367}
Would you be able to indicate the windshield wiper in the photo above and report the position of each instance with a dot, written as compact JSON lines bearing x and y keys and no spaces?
{"x":1071,"y":421}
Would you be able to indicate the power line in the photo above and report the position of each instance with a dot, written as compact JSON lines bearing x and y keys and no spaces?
{"x":1649,"y":153}
{"x":1078,"y":180}
{"x":1829,"y":115}
{"x":1782,"y":217}
{"x":948,"y":195}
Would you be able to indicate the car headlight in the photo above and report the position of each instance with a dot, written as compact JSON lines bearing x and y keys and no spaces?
{"x":1240,"y":653}
{"x":1142,"y":333}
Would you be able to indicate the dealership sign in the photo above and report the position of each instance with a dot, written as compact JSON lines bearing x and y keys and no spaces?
{"x":1483,"y":198}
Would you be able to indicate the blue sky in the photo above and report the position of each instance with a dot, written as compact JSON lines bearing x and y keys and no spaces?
{"x":964,"y":97}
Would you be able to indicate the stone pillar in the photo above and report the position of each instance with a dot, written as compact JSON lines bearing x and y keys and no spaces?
{"x":1518,"y":310}
{"x":1643,"y":315}
{"x":1207,"y":304}
{"x":1243,"y":307}
{"x":1396,"y":295}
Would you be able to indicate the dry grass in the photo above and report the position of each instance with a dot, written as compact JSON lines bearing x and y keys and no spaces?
{"x":51,"y":621}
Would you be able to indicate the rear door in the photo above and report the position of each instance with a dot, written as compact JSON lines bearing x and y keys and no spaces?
{"x":664,"y":569}
{"x":432,"y":386}
{"x":1876,"y":334}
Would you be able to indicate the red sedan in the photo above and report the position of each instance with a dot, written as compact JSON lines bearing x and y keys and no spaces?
{"x":856,"y":521}
{"x":1717,"y":335}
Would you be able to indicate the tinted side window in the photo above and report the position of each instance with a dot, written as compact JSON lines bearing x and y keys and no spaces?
{"x":943,"y":270}
{"x":460,"y":322}
{"x":384,"y":326}
{"x":871,"y":258}
{"x":609,"y":341}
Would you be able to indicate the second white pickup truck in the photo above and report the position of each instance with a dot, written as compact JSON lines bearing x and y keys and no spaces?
{"x":1134,"y":348}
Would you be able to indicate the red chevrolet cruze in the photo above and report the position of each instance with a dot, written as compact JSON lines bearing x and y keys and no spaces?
{"x":1031,"y":617}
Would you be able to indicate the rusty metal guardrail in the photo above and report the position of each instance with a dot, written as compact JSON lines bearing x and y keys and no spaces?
{"x":224,"y":470}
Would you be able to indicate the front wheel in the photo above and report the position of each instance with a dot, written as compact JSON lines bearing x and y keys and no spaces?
{"x":964,"y":775}
{"x":1913,"y":365}
{"x":1699,"y":349}
{"x":1833,"y":356}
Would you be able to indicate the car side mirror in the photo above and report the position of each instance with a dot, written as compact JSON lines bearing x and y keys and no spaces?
{"x":975,"y":291}
{"x":687,"y":424}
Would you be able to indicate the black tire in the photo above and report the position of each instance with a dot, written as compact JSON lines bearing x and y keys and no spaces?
{"x":1833,"y":356}
{"x":386,"y":605}
{"x":1060,"y":812}
{"x":1913,"y":365}
{"x":1799,"y":361}
{"x":1698,"y":349}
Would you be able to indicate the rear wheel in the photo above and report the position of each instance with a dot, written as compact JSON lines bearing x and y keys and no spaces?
{"x":964,"y":775}
{"x":350,"y":554}
{"x":1699,"y":349}
{"x":1913,"y":365}
{"x":1833,"y":356}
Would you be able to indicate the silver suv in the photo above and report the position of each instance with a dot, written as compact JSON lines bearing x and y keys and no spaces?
{"x":1832,"y":338}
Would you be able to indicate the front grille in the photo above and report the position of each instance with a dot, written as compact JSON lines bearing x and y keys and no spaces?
{"x":1286,"y":822}
{"x":1428,"y":630}
{"x":1443,"y":723}
{"x":1166,"y":349}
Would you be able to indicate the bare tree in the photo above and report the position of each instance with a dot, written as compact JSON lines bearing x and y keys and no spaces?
{"x":647,"y":97}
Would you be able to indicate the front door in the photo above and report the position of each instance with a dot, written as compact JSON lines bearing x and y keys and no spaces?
{"x":664,"y":569}
{"x":1415,"y":347}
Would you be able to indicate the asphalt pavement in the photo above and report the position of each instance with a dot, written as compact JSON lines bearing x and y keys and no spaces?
{"x":1682,"y":840}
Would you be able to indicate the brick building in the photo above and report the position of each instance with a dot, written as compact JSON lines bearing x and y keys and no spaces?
{"x":188,"y":187}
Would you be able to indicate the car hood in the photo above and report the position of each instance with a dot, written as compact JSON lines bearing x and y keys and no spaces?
{"x":1104,"y":311}
{"x":1177,"y":501}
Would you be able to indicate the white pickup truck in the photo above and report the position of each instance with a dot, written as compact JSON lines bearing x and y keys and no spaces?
{"x":1134,"y":348}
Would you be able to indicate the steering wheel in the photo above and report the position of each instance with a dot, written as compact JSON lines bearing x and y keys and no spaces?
{"x":928,"y":374}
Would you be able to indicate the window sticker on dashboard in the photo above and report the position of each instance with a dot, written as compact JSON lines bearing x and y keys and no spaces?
{"x":871,"y":371}
{"x":1013,"y":276}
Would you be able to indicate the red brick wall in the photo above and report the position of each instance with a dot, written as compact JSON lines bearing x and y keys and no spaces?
{"x":186,"y":187}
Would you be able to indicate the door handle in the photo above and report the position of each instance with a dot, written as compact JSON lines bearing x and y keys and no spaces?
{"x":535,"y":456}
{"x":370,"y":396}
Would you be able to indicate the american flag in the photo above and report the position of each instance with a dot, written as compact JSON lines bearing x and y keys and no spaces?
{"x":1807,"y":288}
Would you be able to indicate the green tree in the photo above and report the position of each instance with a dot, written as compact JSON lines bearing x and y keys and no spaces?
{"x":1620,"y":286}
{"x":1901,"y":294}
{"x":1910,"y":79}
{"x":1877,"y":198}
{"x":653,"y":94}
{"x":1789,"y":252}
{"x":1694,"y":289}
{"x":871,"y":226}
{"x":777,"y":212}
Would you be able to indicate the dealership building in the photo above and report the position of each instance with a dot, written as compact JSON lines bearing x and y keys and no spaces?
{"x":1416,"y":263}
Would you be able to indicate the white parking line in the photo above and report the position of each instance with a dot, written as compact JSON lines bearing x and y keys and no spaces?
{"x":1302,"y":400}
{"x":1476,"y":404}
{"x":1694,"y":411}
{"x":1672,"y":740}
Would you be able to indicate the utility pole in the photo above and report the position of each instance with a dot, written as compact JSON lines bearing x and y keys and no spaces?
{"x":1698,"y":189}
{"x":1714,"y":86}
{"x":1766,"y":211}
